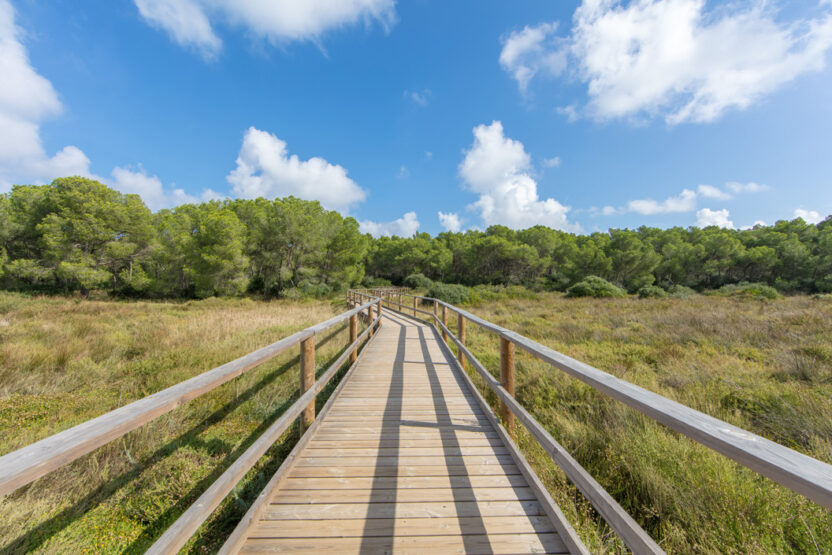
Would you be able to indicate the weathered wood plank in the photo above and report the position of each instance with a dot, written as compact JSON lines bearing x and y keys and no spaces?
{"x":305,"y":511}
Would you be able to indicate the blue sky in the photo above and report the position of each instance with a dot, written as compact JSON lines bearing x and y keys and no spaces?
{"x":578,"y":115}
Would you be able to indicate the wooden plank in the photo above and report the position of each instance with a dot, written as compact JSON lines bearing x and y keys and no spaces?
{"x":375,"y":527}
{"x":406,"y":470}
{"x":403,"y":482}
{"x":470,"y":544}
{"x":305,"y":511}
{"x":314,"y":451}
{"x":414,"y":495}
{"x":336,"y":443}
{"x":407,"y":460}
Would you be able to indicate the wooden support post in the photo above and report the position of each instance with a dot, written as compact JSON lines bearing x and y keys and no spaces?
{"x":414,"y":307}
{"x":370,"y":319}
{"x":461,"y":336}
{"x":353,"y":336}
{"x":307,"y":380}
{"x":507,"y":380}
{"x":444,"y":322}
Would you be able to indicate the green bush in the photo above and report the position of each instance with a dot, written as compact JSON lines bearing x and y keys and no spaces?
{"x":680,"y":292}
{"x":593,"y":286}
{"x":652,"y":292}
{"x":418,"y":281}
{"x":751,"y":290}
{"x":376,"y":282}
{"x":449,"y":292}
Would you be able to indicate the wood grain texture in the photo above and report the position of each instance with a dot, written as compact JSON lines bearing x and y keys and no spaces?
{"x":405,"y":459}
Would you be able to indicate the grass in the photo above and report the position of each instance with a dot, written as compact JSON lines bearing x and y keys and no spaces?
{"x":765,"y":366}
{"x":63,"y":362}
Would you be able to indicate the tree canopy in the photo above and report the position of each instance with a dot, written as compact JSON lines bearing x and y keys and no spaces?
{"x":76,"y":234}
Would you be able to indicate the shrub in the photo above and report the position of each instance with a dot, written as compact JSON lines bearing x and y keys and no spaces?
{"x":750,"y":290}
{"x":418,"y":281}
{"x":680,"y":292}
{"x":449,"y":292}
{"x":593,"y":286}
{"x":376,"y":282}
{"x":652,"y":292}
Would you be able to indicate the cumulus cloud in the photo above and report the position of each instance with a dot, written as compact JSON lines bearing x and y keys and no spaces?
{"x":265,"y":169}
{"x":450,"y":221}
{"x":552,"y":162}
{"x":809,"y":216}
{"x":686,"y":200}
{"x":532,"y":50}
{"x":406,"y":226}
{"x":497,"y":168}
{"x":675,"y":59}
{"x":26,"y":99}
{"x":153,"y":193}
{"x":720,"y":218}
{"x":191,"y":22}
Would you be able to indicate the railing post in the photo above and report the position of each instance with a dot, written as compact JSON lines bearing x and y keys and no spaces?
{"x":444,"y":322}
{"x":507,"y":380}
{"x":370,"y":319}
{"x":353,"y":336}
{"x":461,"y":337}
{"x":414,"y":307}
{"x":307,"y":380}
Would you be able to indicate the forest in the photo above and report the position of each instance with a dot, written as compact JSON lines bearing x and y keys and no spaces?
{"x":78,"y":235}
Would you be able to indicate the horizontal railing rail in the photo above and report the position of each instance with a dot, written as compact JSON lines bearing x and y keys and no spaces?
{"x":27,"y":464}
{"x":800,"y":473}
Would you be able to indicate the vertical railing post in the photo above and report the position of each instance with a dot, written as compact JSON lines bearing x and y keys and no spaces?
{"x":353,"y":336}
{"x":307,"y":379}
{"x":507,"y":380}
{"x":414,"y":307}
{"x":444,"y":322}
{"x":461,"y":337}
{"x":370,"y":319}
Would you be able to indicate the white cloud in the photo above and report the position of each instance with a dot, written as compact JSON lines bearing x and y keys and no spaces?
{"x":429,"y":154}
{"x":749,"y":187}
{"x":685,"y":202}
{"x":529,"y":51}
{"x":153,"y":193}
{"x":497,"y":168}
{"x":570,"y":112}
{"x":674,"y":59}
{"x":185,"y":21}
{"x":552,"y":162}
{"x":709,"y":191}
{"x":450,"y":221}
{"x":265,"y":169}
{"x":420,"y":98}
{"x":404,"y":173}
{"x":707,"y":217}
{"x":752,"y":226}
{"x":27,"y":98}
{"x":809,"y":216}
{"x":405,"y":226}
{"x":609,"y":211}
{"x":190,"y":22}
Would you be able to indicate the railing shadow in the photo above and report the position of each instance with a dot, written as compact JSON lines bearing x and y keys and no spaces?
{"x":40,"y":534}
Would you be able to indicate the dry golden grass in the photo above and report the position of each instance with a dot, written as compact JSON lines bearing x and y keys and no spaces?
{"x":765,"y":366}
{"x":63,"y":362}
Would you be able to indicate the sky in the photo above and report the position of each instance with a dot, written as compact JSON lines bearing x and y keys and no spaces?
{"x":431,"y":115}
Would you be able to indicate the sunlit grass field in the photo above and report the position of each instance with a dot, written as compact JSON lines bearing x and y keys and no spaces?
{"x":64,"y":361}
{"x":763,"y":365}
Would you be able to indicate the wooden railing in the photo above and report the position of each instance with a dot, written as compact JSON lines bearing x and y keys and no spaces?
{"x":25,"y":465}
{"x":800,"y":473}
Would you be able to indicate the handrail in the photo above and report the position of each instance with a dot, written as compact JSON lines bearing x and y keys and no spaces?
{"x":177,"y":535}
{"x":800,"y":473}
{"x":25,"y":465}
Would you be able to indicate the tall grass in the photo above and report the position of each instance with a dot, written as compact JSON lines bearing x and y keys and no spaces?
{"x":765,"y":366}
{"x":63,"y":362}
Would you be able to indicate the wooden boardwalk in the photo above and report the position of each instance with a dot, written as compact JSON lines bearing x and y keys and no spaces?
{"x":405,"y":460}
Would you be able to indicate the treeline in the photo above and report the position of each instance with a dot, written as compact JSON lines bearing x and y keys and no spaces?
{"x":76,"y":234}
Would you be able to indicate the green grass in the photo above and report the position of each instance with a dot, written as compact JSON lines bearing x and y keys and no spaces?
{"x":63,"y":362}
{"x":765,"y":366}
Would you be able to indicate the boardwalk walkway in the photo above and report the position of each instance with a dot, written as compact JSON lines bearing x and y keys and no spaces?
{"x":404,"y":461}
